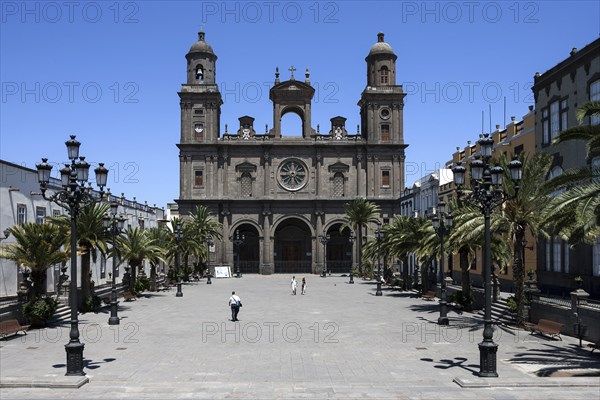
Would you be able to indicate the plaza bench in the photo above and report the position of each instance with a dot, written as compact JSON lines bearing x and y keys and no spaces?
{"x":106,"y":300}
{"x":546,"y":327}
{"x":12,"y":327}
{"x":128,"y":296}
{"x":429,"y":295}
{"x":594,"y":346}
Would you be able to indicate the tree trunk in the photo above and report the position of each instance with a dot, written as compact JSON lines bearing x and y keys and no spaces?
{"x":152,"y":277}
{"x":519,"y":276}
{"x":360,"y":243}
{"x":425,"y":276}
{"x":86,"y":287}
{"x":133,"y":276}
{"x":466,"y":280}
{"x":405,"y":274}
{"x":38,"y":277}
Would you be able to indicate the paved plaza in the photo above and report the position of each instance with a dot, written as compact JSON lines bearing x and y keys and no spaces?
{"x":338,"y":341}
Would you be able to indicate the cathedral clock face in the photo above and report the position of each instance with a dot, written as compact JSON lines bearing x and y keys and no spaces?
{"x":292,"y":175}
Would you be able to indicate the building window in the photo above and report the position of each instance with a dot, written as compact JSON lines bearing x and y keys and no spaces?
{"x":554,"y":120}
{"x":198,"y":111}
{"x":545,"y":127}
{"x":56,"y":213}
{"x":199,"y":131}
{"x":199,"y":73}
{"x":246,"y":184}
{"x":596,"y":258}
{"x":548,"y":258}
{"x":563,"y":115}
{"x":596,"y":166}
{"x":141,"y":223}
{"x":566,"y":257}
{"x":338,"y":184}
{"x":385,"y":75}
{"x":40,"y":215}
{"x":198,"y":178}
{"x":102,"y":266}
{"x":518,"y":149}
{"x":385,"y":178}
{"x":554,"y":172}
{"x":21,"y":213}
{"x":595,"y":96}
{"x":557,"y":255}
{"x":385,"y":132}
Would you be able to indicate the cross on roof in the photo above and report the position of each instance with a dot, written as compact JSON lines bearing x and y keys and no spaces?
{"x":292,"y":69}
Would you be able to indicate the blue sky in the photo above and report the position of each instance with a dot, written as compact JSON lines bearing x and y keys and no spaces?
{"x":110,"y":71}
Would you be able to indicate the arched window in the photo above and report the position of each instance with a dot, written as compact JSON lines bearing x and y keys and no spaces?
{"x":338,"y":184}
{"x":199,"y":73}
{"x":385,"y":75}
{"x":246,"y":184}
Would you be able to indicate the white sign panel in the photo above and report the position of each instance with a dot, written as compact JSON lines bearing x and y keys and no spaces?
{"x":223,"y":272}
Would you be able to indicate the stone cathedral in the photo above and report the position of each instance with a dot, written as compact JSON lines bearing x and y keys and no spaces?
{"x":284,"y":194}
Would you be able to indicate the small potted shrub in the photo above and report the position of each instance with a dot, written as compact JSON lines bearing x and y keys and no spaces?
{"x":39,"y":311}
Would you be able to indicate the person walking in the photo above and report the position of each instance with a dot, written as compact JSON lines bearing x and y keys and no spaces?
{"x":235,"y":303}
{"x":303,"y":285}
{"x":294,"y":284}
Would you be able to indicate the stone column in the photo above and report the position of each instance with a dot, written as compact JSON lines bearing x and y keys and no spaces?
{"x":319,"y":164}
{"x":317,"y":247}
{"x":267,"y":257}
{"x":224,"y":247}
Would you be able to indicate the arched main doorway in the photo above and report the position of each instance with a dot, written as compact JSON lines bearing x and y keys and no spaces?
{"x":249,"y":250}
{"x":293,"y":252}
{"x":339,"y":250}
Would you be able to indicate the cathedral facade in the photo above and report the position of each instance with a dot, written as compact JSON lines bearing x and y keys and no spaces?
{"x":285,"y":195}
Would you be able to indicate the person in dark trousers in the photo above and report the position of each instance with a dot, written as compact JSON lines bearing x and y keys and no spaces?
{"x":235,"y":303}
{"x":303,"y":285}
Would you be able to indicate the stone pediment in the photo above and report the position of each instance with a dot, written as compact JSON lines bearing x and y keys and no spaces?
{"x":245,"y":167}
{"x":291,"y":89}
{"x":339,"y":167}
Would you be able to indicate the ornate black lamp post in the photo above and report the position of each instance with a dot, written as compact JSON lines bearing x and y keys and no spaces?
{"x":113,"y":226}
{"x":209,"y":244}
{"x":486,"y":194}
{"x":6,"y":234}
{"x":442,"y":222}
{"x":178,"y":231}
{"x":352,"y":238}
{"x":379,"y":238}
{"x":324,"y":238}
{"x":237,"y":240}
{"x":74,"y":195}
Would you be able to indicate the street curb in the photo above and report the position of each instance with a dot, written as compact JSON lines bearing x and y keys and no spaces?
{"x":48,"y":382}
{"x":537,"y":382}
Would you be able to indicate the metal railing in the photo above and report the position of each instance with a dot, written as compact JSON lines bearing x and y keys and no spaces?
{"x":339,"y":266}
{"x":293,"y":267}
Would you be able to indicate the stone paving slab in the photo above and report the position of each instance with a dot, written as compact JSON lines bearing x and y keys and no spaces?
{"x":339,"y":341}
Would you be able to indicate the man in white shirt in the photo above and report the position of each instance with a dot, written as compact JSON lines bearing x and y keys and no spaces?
{"x":294,"y":284}
{"x":235,"y":303}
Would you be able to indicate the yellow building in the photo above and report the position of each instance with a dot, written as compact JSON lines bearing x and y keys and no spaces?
{"x":517,"y":137}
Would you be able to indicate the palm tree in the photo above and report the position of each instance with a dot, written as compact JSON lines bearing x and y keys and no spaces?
{"x":575,"y":213}
{"x":161,"y":237}
{"x":521,"y":213}
{"x":135,"y":245}
{"x":359,"y":213}
{"x":38,"y":246}
{"x":405,"y":235}
{"x":201,"y":226}
{"x":91,"y":238}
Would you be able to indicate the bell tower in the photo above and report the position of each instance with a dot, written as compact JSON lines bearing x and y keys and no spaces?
{"x":382,"y":102}
{"x":200,"y":97}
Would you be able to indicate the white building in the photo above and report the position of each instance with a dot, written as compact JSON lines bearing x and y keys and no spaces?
{"x":21,"y":201}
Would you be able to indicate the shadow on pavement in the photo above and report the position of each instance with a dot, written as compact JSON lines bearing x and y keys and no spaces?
{"x":557,"y":358}
{"x":89,"y":364}
{"x":456,"y":362}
